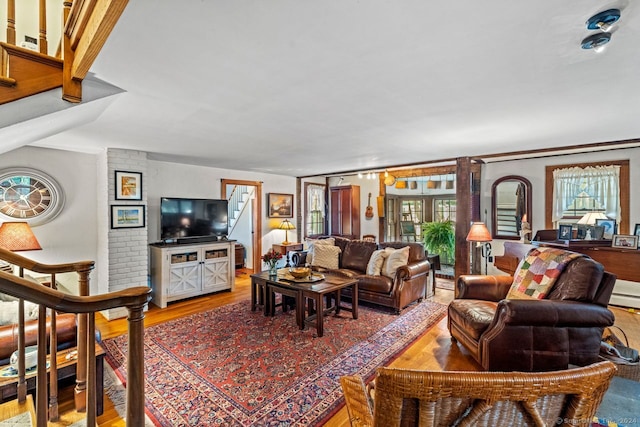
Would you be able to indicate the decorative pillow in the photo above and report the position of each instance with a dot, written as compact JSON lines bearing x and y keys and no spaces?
{"x":312,"y":242}
{"x":396,"y":259}
{"x":326,"y":256}
{"x":374,"y":267}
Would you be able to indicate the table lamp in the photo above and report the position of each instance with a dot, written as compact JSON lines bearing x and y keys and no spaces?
{"x":480,"y":234}
{"x":286,"y":225}
{"x":17,"y":236}
{"x":590,"y":218}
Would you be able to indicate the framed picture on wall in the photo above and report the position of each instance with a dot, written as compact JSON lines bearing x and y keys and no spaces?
{"x":128,"y":185}
{"x":280,"y":205}
{"x":610,"y":227}
{"x":127,"y":216}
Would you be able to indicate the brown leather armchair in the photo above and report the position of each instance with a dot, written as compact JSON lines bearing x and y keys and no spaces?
{"x":533,"y":334}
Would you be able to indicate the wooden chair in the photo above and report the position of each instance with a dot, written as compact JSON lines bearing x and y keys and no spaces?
{"x":426,"y":398}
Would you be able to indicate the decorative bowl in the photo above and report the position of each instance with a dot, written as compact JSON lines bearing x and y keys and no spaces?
{"x":300,"y":272}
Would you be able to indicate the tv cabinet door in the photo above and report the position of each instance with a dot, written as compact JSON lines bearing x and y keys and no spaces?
{"x":216,"y":268}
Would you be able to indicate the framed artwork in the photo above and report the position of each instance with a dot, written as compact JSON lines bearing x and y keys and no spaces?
{"x":624,"y":241}
{"x":127,"y":216}
{"x":280,"y":205}
{"x":564,"y":232}
{"x":610,"y":227}
{"x":636,"y":233}
{"x":128,"y":185}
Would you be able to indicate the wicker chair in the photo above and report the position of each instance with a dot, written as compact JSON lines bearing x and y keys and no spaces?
{"x":428,"y":398}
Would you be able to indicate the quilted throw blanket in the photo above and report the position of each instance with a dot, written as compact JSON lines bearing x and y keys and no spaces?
{"x":538,"y":271}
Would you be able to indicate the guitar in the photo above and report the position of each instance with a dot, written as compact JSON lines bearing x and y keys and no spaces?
{"x":369,"y":212}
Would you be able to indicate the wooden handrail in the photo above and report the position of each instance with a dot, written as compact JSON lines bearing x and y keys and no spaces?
{"x":133,"y":299}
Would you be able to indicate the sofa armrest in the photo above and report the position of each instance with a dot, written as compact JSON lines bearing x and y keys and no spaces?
{"x":488,"y":288}
{"x":553,"y":313}
{"x":298,"y":258}
{"x":413,"y":269}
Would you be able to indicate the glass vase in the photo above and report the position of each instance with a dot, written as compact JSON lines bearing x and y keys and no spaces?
{"x":273,"y":270}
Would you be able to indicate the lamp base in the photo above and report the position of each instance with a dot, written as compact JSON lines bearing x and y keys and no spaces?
{"x":285,"y":243}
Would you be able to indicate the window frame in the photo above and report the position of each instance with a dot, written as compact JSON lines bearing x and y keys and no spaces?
{"x":623,"y":224}
{"x":306,"y":209}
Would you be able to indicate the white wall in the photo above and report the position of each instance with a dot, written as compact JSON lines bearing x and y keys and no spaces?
{"x":167,"y":179}
{"x":72,"y":235}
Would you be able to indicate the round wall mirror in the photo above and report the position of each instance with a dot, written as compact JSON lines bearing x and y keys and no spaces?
{"x":511,"y":207}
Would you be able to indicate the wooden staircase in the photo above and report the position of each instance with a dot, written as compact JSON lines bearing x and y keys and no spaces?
{"x":84,"y":306}
{"x":87,"y":25}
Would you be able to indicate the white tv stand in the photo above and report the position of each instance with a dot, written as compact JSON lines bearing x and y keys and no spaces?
{"x":181,"y":271}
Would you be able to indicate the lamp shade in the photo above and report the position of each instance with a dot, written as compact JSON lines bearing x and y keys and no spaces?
{"x":478,"y":233}
{"x":286,"y":225}
{"x":17,"y":236}
{"x":590,"y":218}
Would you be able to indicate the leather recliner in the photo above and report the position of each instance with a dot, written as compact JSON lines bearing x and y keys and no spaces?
{"x":533,"y":334}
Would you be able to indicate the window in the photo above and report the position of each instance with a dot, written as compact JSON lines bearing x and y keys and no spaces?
{"x":444,"y":209}
{"x":314,"y":209}
{"x":574,"y":190}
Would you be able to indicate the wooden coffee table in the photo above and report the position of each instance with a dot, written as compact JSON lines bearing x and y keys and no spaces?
{"x":264,"y":288}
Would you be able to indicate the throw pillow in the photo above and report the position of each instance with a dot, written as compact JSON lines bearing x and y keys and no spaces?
{"x":311,"y":244}
{"x":326,"y":256}
{"x":9,"y":312}
{"x":396,"y":259}
{"x":374,"y":267}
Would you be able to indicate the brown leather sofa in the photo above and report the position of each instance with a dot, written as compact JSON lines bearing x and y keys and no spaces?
{"x":65,"y":328}
{"x":533,"y":334}
{"x":408,"y":285}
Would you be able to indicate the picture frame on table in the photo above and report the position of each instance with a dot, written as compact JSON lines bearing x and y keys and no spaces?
{"x":127,"y":216}
{"x":128,"y":185}
{"x":624,"y":241}
{"x":280,"y":205}
{"x":636,"y":232}
{"x":610,"y":227}
{"x":565,"y":231}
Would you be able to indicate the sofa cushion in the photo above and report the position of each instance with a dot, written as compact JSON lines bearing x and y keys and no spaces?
{"x":396,"y":259}
{"x":326,"y":256}
{"x":311,"y":244}
{"x":579,"y":281}
{"x":474,"y":316}
{"x":356,"y":255}
{"x":379,"y":284}
{"x":416,"y":249}
{"x":374,"y":266}
{"x":9,"y":312}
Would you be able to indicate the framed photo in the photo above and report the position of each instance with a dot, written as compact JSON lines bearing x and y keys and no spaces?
{"x":280,"y":205}
{"x":610,"y":227}
{"x":128,"y":185}
{"x":127,"y":216}
{"x":624,"y":241}
{"x":636,"y":233}
{"x":564,"y":232}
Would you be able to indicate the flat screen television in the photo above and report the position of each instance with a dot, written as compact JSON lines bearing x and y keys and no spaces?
{"x":190,"y":218}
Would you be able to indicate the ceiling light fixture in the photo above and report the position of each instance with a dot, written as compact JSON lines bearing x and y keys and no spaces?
{"x":604,"y":20}
{"x":596,"y":42}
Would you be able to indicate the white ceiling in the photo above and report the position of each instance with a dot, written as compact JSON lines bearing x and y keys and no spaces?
{"x":311,"y":87}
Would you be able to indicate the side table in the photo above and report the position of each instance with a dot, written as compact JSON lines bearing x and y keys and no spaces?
{"x":434,"y":264}
{"x":285,"y":249}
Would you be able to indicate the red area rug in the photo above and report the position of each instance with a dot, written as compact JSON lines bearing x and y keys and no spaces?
{"x":233,"y":367}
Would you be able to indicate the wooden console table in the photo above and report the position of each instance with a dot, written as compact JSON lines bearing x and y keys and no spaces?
{"x":286,"y":249}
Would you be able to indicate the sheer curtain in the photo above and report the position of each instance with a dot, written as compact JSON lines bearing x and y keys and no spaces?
{"x":600,"y":182}
{"x":315,"y":209}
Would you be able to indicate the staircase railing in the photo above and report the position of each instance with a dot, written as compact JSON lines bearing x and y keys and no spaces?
{"x":85,"y":306}
{"x":237,"y":203}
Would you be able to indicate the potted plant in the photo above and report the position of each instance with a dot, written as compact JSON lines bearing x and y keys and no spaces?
{"x":439,"y":238}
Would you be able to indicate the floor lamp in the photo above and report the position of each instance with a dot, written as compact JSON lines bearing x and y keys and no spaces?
{"x":480,"y":234}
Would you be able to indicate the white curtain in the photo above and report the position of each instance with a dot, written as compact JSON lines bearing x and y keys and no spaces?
{"x":315,"y":209}
{"x":600,"y":182}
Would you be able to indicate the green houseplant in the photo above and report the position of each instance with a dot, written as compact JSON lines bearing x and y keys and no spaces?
{"x":439,"y":238}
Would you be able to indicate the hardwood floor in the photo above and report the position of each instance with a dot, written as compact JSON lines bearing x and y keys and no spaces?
{"x":432,"y":351}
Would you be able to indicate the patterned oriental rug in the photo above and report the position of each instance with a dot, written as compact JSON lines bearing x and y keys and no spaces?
{"x":233,"y":367}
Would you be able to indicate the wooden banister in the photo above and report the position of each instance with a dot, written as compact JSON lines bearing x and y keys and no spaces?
{"x":11,"y":22}
{"x":85,"y":306}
